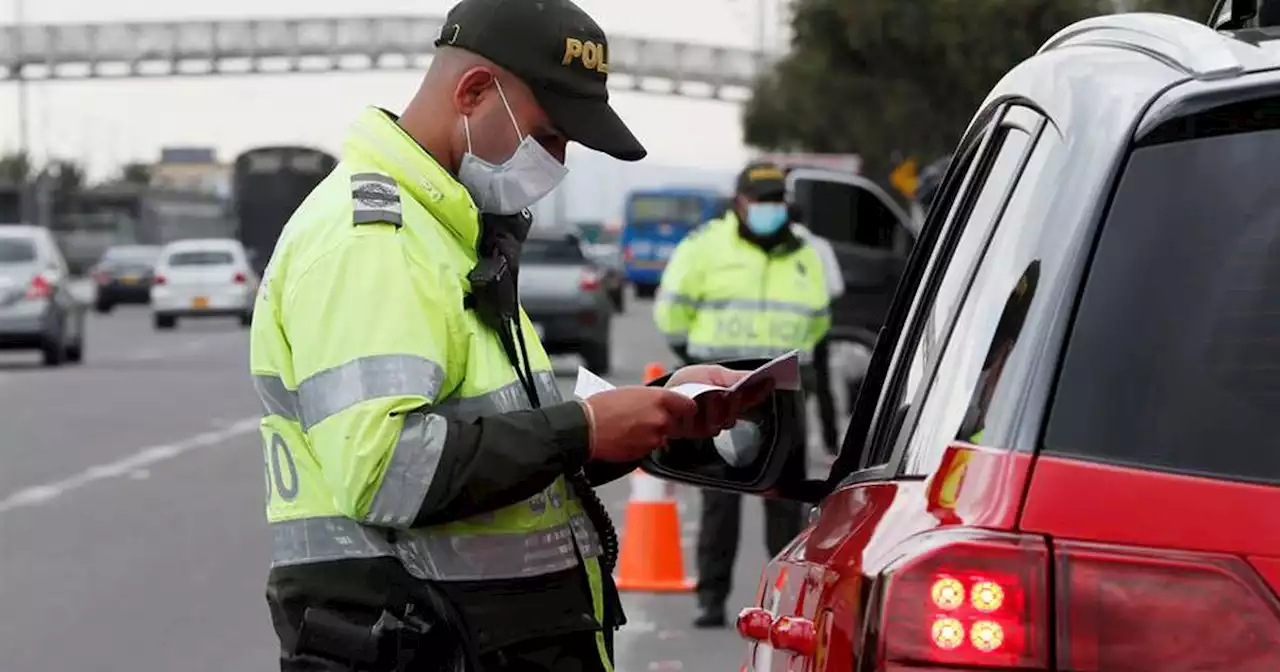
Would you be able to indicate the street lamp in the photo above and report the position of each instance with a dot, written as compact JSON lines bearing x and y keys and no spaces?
{"x":24,"y":134}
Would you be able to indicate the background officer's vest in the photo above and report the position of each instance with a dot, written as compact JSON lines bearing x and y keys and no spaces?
{"x":735,"y":300}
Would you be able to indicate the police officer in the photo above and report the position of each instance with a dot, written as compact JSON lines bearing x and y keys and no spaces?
{"x":744,"y":285}
{"x":429,"y":493}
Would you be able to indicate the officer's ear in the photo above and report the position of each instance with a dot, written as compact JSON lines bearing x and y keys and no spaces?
{"x":473,"y":86}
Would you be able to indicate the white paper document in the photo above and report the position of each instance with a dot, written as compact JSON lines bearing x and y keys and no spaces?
{"x":783,"y":370}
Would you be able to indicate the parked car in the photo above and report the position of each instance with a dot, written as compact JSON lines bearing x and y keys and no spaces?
{"x":124,"y":275}
{"x":600,"y":244}
{"x":203,"y":278}
{"x":38,"y":311}
{"x":1062,"y":456}
{"x":565,"y":298}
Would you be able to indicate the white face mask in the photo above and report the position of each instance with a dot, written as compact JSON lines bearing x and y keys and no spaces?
{"x":515,"y":184}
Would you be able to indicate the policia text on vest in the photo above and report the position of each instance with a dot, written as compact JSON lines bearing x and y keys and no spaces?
{"x":428,"y":491}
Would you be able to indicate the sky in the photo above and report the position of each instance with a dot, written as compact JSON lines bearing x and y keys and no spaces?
{"x":106,"y":123}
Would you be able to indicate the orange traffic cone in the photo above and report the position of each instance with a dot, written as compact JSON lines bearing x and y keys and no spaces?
{"x":650,"y":558}
{"x":653,"y":371}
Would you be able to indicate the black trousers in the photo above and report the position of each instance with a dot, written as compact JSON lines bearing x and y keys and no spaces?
{"x":577,"y":652}
{"x":718,"y":538}
{"x":821,"y":390}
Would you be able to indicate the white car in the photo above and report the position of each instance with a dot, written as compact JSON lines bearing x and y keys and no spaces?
{"x":203,"y":278}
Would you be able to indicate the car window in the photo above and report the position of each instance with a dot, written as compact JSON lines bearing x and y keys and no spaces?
{"x":130,"y":255}
{"x":17,"y":251}
{"x":551,"y":251}
{"x":201,"y":258}
{"x":1173,"y":355}
{"x":967,"y":400}
{"x":955,"y":267}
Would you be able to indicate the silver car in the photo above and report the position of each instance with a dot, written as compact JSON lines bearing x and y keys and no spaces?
{"x":37,"y":308}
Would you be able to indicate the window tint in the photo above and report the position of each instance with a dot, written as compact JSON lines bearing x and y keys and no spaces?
{"x":201,"y":258}
{"x":130,"y":255}
{"x":968,"y":399}
{"x":1173,"y":356}
{"x":551,"y":251}
{"x":845,"y":213}
{"x":955,"y":265}
{"x":17,"y":251}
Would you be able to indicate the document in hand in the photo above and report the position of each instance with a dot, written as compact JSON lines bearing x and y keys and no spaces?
{"x":783,"y":370}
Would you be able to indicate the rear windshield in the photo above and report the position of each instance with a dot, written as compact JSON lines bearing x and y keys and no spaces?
{"x":201,"y":258}
{"x":17,"y":251}
{"x":552,"y":251}
{"x":1174,"y":361}
{"x":130,"y":255}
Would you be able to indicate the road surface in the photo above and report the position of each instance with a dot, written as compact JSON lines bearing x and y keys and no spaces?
{"x":132,"y":536}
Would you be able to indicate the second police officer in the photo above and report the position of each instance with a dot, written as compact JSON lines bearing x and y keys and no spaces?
{"x":745,"y":285}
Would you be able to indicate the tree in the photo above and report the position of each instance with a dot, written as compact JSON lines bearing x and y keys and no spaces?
{"x":135,"y":173}
{"x":883,"y":78}
{"x":15,"y":168}
{"x":67,"y":177}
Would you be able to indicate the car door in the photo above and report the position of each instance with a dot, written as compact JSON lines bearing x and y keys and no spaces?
{"x":870,"y":234}
{"x":821,"y":580}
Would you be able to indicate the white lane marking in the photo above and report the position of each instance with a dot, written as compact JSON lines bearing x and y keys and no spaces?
{"x":133,"y":466}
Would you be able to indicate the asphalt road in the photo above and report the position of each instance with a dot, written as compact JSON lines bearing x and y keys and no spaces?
{"x":132,"y":536}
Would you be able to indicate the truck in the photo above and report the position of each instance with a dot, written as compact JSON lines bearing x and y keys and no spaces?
{"x":269,"y":183}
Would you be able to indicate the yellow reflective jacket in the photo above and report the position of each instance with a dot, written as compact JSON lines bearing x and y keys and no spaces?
{"x":724,"y":297}
{"x":390,"y":412}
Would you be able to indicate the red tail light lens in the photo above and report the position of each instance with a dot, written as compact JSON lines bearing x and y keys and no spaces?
{"x":1132,"y":609}
{"x":101,"y":277}
{"x":590,"y":281}
{"x":158,"y":280}
{"x":981,"y":600}
{"x":40,"y":288}
{"x":240,"y":278}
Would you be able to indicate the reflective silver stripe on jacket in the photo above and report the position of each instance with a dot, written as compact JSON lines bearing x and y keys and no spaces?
{"x":436,"y":556}
{"x":509,"y":397}
{"x":329,"y":392}
{"x":714,"y":353}
{"x":755,"y":305}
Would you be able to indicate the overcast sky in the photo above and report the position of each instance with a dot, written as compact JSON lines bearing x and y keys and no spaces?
{"x":105,"y":123}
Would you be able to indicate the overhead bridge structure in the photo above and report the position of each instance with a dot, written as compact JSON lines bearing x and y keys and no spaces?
{"x":43,"y":52}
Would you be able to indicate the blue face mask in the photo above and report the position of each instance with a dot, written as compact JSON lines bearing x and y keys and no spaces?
{"x":766,"y":219}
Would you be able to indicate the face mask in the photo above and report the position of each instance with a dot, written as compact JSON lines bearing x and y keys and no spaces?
{"x":765,"y":219}
{"x":515,"y":184}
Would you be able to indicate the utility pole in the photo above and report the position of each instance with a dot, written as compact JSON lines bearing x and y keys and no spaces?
{"x":24,"y":131}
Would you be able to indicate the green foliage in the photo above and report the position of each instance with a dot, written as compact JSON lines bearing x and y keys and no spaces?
{"x":894,"y":78}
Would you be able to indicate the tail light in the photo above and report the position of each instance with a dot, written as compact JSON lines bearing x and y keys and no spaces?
{"x":983,"y":601}
{"x":40,"y":288}
{"x":101,"y":277}
{"x":158,"y":280}
{"x":239,"y":278}
{"x":590,"y":281}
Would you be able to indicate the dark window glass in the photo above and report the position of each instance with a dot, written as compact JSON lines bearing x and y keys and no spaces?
{"x":845,"y":213}
{"x":1174,"y":357}
{"x":17,"y":251}
{"x":551,"y":251}
{"x":201,"y":258}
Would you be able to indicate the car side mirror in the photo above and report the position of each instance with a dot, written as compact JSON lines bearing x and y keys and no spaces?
{"x":764,"y":453}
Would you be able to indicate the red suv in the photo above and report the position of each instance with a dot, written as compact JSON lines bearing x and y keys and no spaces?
{"x":1062,"y":456}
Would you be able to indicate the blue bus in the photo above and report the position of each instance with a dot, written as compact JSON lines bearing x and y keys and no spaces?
{"x":656,"y":221}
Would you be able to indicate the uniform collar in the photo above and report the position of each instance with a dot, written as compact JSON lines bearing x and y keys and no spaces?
{"x":377,"y":139}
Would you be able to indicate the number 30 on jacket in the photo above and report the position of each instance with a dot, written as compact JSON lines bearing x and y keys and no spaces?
{"x":282,"y":471}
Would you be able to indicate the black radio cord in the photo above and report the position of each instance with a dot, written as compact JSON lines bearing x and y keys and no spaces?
{"x":595,"y":509}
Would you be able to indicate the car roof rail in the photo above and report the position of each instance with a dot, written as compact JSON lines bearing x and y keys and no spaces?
{"x":1191,"y":47}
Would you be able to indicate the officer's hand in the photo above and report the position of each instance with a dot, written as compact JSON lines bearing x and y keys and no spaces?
{"x":631,"y":422}
{"x":718,"y":411}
